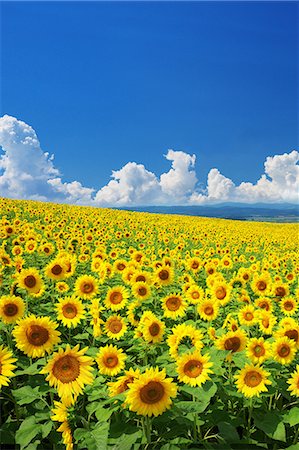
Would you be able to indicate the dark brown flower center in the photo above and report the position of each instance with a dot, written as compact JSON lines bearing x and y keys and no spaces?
{"x":248,"y":316}
{"x":209,"y":310}
{"x":69,"y":310}
{"x":121,"y":266}
{"x":233,"y":344}
{"x":173,"y":303}
{"x":193,"y":368}
{"x":10,"y":309}
{"x":280,"y":291}
{"x":288,"y":306}
{"x":163,"y":275}
{"x":220,"y":292}
{"x":37,"y":335}
{"x":115,"y":326}
{"x":140,"y":278}
{"x":111,"y":361}
{"x":252,"y":378}
{"x":292,"y":334}
{"x":195,"y":265}
{"x":30,"y":281}
{"x":116,"y":298}
{"x":259,"y":350}
{"x":154,"y":329}
{"x":56,"y":270}
{"x":142,"y":291}
{"x":284,"y":351}
{"x":66,"y":369}
{"x":261,"y":285}
{"x":152,"y":392}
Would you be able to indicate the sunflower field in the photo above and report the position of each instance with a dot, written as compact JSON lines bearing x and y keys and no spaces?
{"x":124,"y":330}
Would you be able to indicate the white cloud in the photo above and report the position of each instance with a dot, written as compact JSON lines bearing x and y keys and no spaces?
{"x":28,"y":172}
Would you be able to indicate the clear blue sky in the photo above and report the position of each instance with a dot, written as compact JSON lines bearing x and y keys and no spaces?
{"x":107,"y":83}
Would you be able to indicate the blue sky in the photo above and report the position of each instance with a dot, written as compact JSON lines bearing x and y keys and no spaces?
{"x":107,"y":83}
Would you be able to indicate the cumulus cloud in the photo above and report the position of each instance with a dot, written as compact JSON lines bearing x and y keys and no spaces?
{"x":27,"y":172}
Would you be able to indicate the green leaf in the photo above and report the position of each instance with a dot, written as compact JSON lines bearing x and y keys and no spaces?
{"x":191,"y":407}
{"x":271,"y":424}
{"x":26,"y":395}
{"x":28,"y":430}
{"x":126,"y":441}
{"x":46,"y":428}
{"x":292,"y":417}
{"x":228,"y":432}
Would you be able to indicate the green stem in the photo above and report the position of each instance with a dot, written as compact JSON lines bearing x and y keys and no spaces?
{"x":295,"y":441}
{"x":270,"y":402}
{"x":249,"y":417}
{"x":147,"y":428}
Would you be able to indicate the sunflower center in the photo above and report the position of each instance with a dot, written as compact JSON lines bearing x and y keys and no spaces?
{"x":37,"y":335}
{"x":164,"y":275}
{"x":195,"y":265}
{"x":115,"y":326}
{"x":69,"y":311}
{"x":142,"y":291}
{"x":30,"y":281}
{"x":121,"y":266}
{"x":259,"y":350}
{"x":233,"y":344}
{"x":111,"y":361}
{"x":280,"y":291}
{"x":195,"y":295}
{"x":211,"y":271}
{"x":66,"y":369}
{"x":245,"y":276}
{"x":87,"y":288}
{"x":248,"y":316}
{"x":288,"y":306}
{"x":154,"y":329}
{"x":220,"y":293}
{"x":193,"y":368}
{"x":173,"y":303}
{"x":152,"y":392}
{"x":264,"y":305}
{"x":266,"y":323}
{"x":10,"y":309}
{"x":284,"y":351}
{"x":56,"y":270}
{"x":209,"y":310}
{"x":252,"y":378}
{"x":261,"y":285}
{"x":140,"y":278}
{"x":292,"y":334}
{"x":126,"y":383}
{"x":116,"y":298}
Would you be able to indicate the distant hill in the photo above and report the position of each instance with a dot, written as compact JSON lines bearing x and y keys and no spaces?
{"x":284,"y":212}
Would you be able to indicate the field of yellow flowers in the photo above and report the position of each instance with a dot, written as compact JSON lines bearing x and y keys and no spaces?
{"x":123,"y":330}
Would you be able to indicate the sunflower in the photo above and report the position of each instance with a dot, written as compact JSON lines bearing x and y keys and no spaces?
{"x":261,"y":284}
{"x":36,"y":336}
{"x":141,"y":290}
{"x":6,"y":365}
{"x":194,"y":368}
{"x":164,"y":275}
{"x":95,"y":310}
{"x":110,"y":360}
{"x":122,"y":383}
{"x":220,"y":291}
{"x":233,"y":341}
{"x":70,"y":311}
{"x":151,"y":394}
{"x":116,"y":298}
{"x":86,"y":286}
{"x":186,"y":334}
{"x":61,"y":286}
{"x":208,"y":310}
{"x":252,"y":380}
{"x":194,"y":264}
{"x":247,"y":315}
{"x":68,"y":371}
{"x":12,"y":308}
{"x":293,"y":381}
{"x":264,"y":303}
{"x":280,"y":290}
{"x":288,"y":306}
{"x":56,"y":270}
{"x":141,"y":276}
{"x":120,"y":265}
{"x":195,"y":294}
{"x":61,"y":414}
{"x":291,"y":331}
{"x":115,"y":327}
{"x":30,"y":280}
{"x":174,"y":306}
{"x":151,"y":327}
{"x":258,"y":350}
{"x":266,"y":322}
{"x":284,"y":350}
